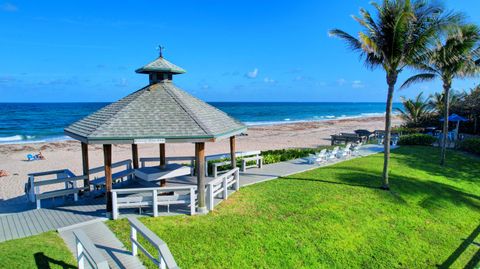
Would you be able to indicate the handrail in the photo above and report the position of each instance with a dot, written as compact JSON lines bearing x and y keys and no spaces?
{"x":165,"y":258}
{"x":226,"y":180}
{"x":165,"y":189}
{"x":168,"y":159}
{"x":86,"y":251}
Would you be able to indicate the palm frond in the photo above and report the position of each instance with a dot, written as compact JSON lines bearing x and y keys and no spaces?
{"x":418,"y":78}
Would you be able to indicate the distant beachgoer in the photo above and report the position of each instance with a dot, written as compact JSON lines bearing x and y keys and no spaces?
{"x":40,"y":156}
{"x":3,"y":173}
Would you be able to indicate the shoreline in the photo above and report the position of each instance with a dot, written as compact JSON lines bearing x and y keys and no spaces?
{"x":67,"y":154}
{"x":64,"y":138}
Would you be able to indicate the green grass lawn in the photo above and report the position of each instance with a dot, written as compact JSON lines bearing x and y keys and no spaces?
{"x":337,"y":217}
{"x":46,"y":250}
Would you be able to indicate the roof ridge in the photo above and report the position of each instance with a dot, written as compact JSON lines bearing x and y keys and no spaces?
{"x":188,"y":110}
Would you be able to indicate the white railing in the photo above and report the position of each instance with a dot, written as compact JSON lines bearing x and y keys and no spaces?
{"x":190,"y":159}
{"x":88,"y":253}
{"x":65,"y":176}
{"x":164,"y":259}
{"x":149,"y":197}
{"x":224,"y":156}
{"x":220,"y":185}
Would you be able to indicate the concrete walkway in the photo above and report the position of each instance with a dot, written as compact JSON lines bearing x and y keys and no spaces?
{"x":117,"y":255}
{"x":36,"y":221}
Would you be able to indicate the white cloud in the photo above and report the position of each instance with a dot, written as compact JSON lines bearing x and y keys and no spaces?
{"x":121,"y":83}
{"x":341,"y":81}
{"x":8,"y":7}
{"x":358,"y":84}
{"x":268,"y":80}
{"x":252,"y":74}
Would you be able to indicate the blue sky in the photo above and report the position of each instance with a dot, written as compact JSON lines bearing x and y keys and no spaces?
{"x":75,"y":51}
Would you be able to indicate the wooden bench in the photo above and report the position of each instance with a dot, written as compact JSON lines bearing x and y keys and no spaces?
{"x":220,"y":186}
{"x":163,"y":257}
{"x":150,"y":197}
{"x":87,"y":253}
{"x":127,"y":173}
{"x":345,"y":138}
{"x":65,"y":176}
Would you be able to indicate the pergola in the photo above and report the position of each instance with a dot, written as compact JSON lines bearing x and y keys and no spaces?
{"x":158,"y":113}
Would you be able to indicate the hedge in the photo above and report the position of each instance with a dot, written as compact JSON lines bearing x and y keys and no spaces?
{"x":471,"y":145}
{"x":417,"y":139}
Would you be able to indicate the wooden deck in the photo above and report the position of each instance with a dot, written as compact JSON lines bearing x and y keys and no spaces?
{"x":35,"y":221}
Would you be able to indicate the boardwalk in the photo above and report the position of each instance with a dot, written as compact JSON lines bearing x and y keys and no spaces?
{"x":35,"y":221}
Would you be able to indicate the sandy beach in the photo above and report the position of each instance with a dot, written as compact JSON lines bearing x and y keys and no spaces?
{"x":67,"y":154}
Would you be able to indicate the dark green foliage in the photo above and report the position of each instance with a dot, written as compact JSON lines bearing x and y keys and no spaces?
{"x":471,"y":145}
{"x":417,"y":139}
{"x":406,"y":130}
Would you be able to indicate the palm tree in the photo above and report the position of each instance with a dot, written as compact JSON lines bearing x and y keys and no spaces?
{"x":437,"y":102}
{"x":415,"y":110}
{"x":454,"y":57}
{"x":395,"y":38}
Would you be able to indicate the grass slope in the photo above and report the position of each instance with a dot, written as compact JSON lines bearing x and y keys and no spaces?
{"x":46,"y":250}
{"x":336,"y":217}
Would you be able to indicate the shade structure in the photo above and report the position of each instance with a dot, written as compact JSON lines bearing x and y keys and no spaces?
{"x":157,"y":113}
{"x":455,"y":117}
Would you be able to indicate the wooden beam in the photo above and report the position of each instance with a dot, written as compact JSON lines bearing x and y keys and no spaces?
{"x":200,"y":160}
{"x":107,"y":156}
{"x":233,"y":158}
{"x":163,"y":163}
{"x":135,"y":156}
{"x":86,"y":168}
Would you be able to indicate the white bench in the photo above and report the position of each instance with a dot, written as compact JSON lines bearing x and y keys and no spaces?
{"x":150,"y":197}
{"x":215,"y":165}
{"x":65,"y":176}
{"x":128,"y":173}
{"x":258,"y":162}
{"x":220,"y":186}
{"x":179,"y":159}
{"x":88,"y":253}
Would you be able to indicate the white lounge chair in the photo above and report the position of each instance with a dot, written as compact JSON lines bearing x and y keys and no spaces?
{"x":333,"y":154}
{"x":344,"y":153}
{"x":318,"y":157}
{"x":356,"y":149}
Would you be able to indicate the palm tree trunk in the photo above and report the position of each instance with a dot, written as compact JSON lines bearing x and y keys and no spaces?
{"x":391,"y":81}
{"x":446,"y":103}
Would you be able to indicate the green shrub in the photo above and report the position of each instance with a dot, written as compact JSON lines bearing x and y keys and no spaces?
{"x":407,"y":130}
{"x":471,"y":145}
{"x":417,"y":139}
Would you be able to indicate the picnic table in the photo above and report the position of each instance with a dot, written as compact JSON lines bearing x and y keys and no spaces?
{"x":155,"y":173}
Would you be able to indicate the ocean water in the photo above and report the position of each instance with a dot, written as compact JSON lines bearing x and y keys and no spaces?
{"x":43,"y":122}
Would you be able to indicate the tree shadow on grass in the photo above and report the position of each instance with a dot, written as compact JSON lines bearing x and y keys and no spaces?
{"x":43,"y":262}
{"x":458,"y":164}
{"x":433,"y":194}
{"x":474,"y":261}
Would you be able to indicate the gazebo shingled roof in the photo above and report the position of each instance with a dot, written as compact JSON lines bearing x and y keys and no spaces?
{"x":157,"y":111}
{"x":160,"y":65}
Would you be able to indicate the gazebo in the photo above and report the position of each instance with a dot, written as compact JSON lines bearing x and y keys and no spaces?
{"x":158,"y":113}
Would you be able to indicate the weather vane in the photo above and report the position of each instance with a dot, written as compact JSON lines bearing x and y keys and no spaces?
{"x":160,"y":49}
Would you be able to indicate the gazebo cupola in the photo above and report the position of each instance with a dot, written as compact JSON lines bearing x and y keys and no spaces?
{"x":160,"y":70}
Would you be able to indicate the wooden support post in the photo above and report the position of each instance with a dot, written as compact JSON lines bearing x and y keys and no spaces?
{"x":233,"y":157}
{"x":200,"y":158}
{"x":163,"y":163}
{"x":86,"y":172}
{"x":107,"y":155}
{"x":135,"y":156}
